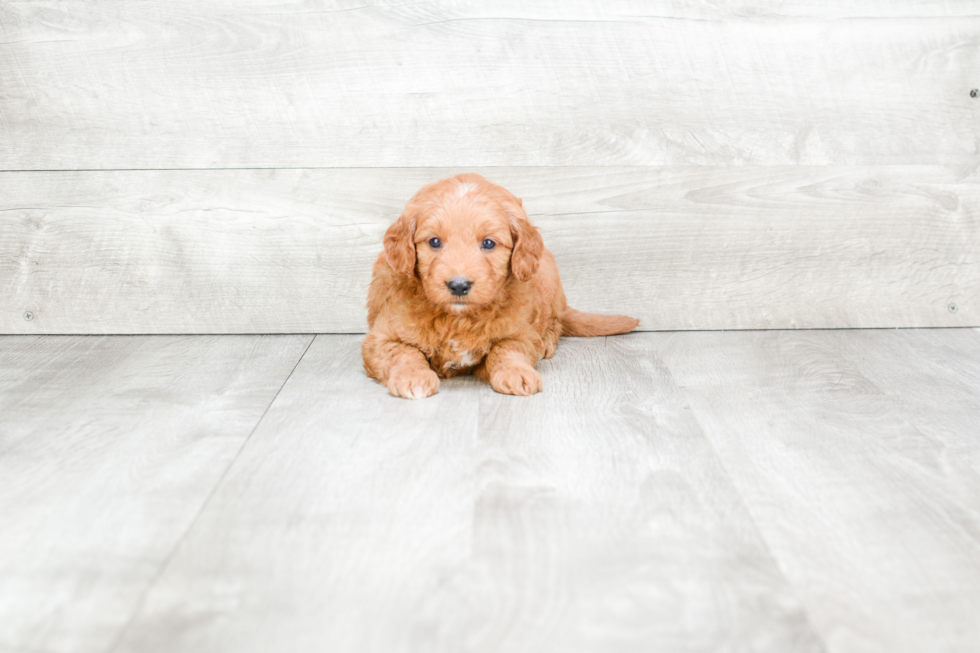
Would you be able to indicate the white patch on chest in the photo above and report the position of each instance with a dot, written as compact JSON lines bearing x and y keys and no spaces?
{"x":460,"y":358}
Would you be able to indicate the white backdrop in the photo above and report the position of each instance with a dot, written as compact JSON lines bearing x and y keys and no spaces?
{"x":210,"y":167}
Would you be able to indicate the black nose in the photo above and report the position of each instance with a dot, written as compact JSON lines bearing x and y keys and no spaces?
{"x":459,"y":286}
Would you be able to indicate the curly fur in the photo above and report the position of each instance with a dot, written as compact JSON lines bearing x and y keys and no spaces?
{"x":511,"y":317}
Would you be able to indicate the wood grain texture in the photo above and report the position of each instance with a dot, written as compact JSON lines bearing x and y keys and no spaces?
{"x":109,"y":447}
{"x":940,"y":392}
{"x":857,"y":455}
{"x":277,"y":251}
{"x":745,"y":491}
{"x":593,"y":517}
{"x":133,"y":84}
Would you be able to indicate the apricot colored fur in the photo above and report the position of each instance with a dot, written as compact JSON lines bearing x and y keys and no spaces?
{"x":511,"y":317}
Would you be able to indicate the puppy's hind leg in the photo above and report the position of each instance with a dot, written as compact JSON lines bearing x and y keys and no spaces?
{"x":550,"y":340}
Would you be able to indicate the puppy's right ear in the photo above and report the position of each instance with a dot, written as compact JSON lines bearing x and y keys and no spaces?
{"x":400,"y":244}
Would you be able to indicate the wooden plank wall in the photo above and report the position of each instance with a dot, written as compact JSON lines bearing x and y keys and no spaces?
{"x":217,"y":166}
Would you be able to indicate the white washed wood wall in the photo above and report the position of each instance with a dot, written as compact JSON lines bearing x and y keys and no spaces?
{"x":219,"y":166}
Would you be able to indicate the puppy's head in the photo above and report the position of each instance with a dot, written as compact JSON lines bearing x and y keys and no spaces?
{"x":463,"y":237}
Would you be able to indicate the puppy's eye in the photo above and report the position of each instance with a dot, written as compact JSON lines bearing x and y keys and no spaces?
{"x":435,"y":243}
{"x":488,"y":244}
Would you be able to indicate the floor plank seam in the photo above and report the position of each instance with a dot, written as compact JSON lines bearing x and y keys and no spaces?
{"x":120,"y":635}
{"x":640,"y":329}
{"x":817,"y":634}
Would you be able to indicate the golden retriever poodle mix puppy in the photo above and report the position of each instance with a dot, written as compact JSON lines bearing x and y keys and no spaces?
{"x":465,"y":286}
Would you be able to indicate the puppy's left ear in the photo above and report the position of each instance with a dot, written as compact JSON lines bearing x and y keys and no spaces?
{"x":528,"y":245}
{"x":399,"y":244}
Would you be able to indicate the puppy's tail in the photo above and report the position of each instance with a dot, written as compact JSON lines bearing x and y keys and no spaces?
{"x":577,"y":323}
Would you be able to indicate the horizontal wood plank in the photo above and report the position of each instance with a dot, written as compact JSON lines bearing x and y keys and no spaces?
{"x":592,"y":517}
{"x":277,"y":251}
{"x":136,"y":84}
{"x":109,"y":448}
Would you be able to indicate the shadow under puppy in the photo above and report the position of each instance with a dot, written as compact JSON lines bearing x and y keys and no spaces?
{"x":465,"y":286}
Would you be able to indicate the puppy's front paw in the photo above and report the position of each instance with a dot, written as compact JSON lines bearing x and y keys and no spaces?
{"x":520,"y":380}
{"x":413,"y":383}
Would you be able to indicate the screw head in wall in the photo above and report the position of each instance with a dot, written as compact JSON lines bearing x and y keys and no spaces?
{"x":28,"y":316}
{"x":953,"y":308}
{"x":974,"y":93}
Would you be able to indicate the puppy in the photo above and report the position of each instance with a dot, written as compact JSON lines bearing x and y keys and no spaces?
{"x":465,"y":286}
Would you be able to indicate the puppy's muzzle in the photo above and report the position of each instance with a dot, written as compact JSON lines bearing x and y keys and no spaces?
{"x":459,"y":286}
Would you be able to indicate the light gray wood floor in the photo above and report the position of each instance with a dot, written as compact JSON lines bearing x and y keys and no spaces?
{"x":690,"y":491}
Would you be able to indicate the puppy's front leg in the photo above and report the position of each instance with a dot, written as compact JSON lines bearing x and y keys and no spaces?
{"x":402,"y":368}
{"x":509,"y":367}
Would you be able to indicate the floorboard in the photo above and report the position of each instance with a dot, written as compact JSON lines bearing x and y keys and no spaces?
{"x":109,"y":447}
{"x":686,"y":491}
{"x":858,"y":455}
{"x":593,"y":517}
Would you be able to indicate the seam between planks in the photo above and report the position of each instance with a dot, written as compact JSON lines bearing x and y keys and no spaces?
{"x":164,"y":334}
{"x":496,"y":166}
{"x":117,"y":640}
{"x":817,"y":633}
{"x":448,"y":166}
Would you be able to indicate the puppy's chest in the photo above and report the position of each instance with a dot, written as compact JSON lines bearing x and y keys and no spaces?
{"x":455,"y":356}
